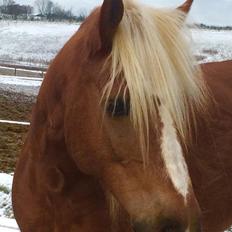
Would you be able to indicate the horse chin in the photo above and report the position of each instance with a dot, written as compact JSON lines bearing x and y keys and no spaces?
{"x":165,"y":226}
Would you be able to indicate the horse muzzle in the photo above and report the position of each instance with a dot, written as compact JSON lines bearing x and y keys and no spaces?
{"x":166,"y":226}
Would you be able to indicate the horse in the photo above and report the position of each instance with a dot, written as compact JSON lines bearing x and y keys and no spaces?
{"x":128,"y":133}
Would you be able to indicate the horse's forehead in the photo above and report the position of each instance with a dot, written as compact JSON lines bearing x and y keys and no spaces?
{"x":172,"y":154}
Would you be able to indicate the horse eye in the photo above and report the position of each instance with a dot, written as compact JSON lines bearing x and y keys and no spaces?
{"x":118,"y":108}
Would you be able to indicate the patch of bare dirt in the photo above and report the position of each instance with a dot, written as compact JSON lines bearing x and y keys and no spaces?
{"x":16,"y":107}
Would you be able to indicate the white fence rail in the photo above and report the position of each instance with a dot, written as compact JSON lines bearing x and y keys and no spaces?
{"x":15,"y":123}
{"x":16,"y":68}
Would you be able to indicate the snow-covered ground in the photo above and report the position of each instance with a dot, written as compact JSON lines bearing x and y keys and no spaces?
{"x":5,"y":195}
{"x":7,"y":223}
{"x":39,"y":42}
{"x":17,"y":80}
{"x":213,"y":45}
{"x":33,"y":42}
{"x":26,"y":85}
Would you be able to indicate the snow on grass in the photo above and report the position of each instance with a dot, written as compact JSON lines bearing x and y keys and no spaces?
{"x":8,"y":225}
{"x":212,"y":45}
{"x":24,"y":81}
{"x":5,"y":195}
{"x":33,"y":42}
{"x":17,"y":84}
{"x":39,"y":42}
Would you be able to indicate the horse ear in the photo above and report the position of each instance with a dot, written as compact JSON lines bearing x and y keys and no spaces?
{"x":186,"y":6}
{"x":110,"y":17}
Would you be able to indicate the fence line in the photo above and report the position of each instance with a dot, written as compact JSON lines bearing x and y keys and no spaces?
{"x":16,"y":67}
{"x":15,"y":122}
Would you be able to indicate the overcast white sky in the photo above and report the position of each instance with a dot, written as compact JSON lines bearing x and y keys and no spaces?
{"x":217,"y":12}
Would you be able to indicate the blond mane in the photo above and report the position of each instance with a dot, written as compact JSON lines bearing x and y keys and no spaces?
{"x":151,"y":50}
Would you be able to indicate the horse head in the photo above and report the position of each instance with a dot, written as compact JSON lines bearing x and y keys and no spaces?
{"x":132,"y":90}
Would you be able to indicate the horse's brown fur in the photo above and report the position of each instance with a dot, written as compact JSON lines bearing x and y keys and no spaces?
{"x":75,"y":158}
{"x":210,"y":160}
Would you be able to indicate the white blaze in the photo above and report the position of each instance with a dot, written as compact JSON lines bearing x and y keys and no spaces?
{"x":172,"y":154}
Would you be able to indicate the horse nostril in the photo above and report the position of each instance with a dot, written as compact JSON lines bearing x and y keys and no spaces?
{"x":163,"y":226}
{"x":142,"y":227}
{"x":171,"y":229}
{"x":171,"y":226}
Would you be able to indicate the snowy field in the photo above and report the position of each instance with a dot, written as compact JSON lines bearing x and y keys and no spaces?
{"x":26,"y":85}
{"x":7,"y":223}
{"x":5,"y":198}
{"x":212,"y":45}
{"x":33,"y":42}
{"x":39,"y":42}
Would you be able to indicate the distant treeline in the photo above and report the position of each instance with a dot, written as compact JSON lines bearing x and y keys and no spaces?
{"x":11,"y":10}
{"x":46,"y":10}
{"x":210,"y":27}
{"x":52,"y":11}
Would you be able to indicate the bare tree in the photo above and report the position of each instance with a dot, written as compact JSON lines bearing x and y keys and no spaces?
{"x":11,"y":8}
{"x":41,"y":6}
{"x":8,"y":2}
{"x":53,"y":11}
{"x":81,"y":16}
{"x":49,"y":8}
{"x":28,"y":9}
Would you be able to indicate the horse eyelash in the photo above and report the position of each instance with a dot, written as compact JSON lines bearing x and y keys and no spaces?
{"x":123,"y":107}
